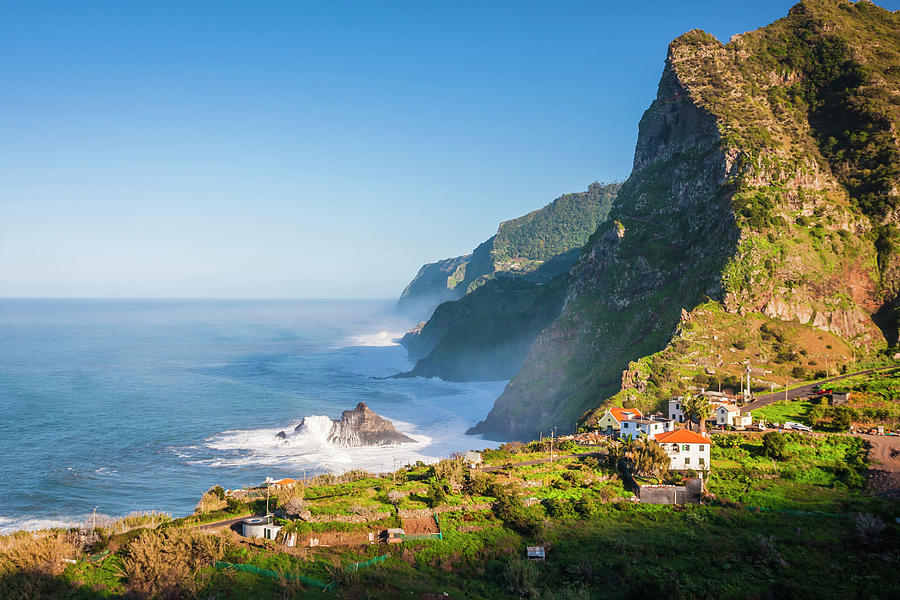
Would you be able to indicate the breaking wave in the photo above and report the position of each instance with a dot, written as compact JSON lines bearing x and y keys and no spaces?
{"x":308,"y":448}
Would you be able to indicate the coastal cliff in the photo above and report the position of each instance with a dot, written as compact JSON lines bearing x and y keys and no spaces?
{"x":537,"y":246}
{"x":764,"y":197}
{"x":509,"y":289}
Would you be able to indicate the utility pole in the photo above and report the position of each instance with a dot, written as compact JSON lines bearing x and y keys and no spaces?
{"x":552,"y":436}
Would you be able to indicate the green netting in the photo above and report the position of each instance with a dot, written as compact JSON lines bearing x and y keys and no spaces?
{"x":272,"y":574}
{"x":366,"y":563}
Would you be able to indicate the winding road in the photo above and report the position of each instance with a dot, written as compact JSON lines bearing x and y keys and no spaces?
{"x":804,"y":390}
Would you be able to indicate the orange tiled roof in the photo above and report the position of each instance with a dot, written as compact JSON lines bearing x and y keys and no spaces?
{"x":285,"y":481}
{"x":619,"y":415}
{"x":681,"y":436}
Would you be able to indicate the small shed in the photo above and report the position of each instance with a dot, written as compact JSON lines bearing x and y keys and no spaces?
{"x":393,"y":535}
{"x":838,"y":398}
{"x":536,"y":553}
{"x":259,"y":527}
{"x":472,"y":459}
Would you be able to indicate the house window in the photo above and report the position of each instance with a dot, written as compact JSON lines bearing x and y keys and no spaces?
{"x":702,"y":461}
{"x":686,"y":447}
{"x":687,"y":460}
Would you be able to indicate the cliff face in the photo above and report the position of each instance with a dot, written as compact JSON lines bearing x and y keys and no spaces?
{"x":485,"y":335}
{"x":755,"y":191}
{"x":538,"y":246}
{"x":434,"y":283}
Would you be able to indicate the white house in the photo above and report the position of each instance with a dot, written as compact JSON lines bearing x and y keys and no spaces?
{"x":731,"y":415}
{"x":676,"y":409}
{"x":649,"y":427}
{"x":686,"y":449}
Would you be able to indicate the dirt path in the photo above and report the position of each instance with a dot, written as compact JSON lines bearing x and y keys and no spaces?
{"x":884,"y":458}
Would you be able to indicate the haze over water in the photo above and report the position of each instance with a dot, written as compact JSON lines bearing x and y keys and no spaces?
{"x":143,"y":404}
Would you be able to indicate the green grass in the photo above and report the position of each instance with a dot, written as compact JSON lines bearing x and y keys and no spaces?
{"x":785,"y":410}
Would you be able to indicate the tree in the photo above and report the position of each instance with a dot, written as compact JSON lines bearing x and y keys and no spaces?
{"x":648,"y":458}
{"x":773,"y":445}
{"x":696,"y":408}
{"x":842,"y":418}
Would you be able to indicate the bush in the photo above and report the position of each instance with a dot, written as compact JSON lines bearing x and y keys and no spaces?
{"x":774,"y":445}
{"x":560,"y":508}
{"x":477,"y":483}
{"x":437,"y":492}
{"x":739,"y":344}
{"x":842,"y":418}
{"x":521,"y":577}
{"x":509,"y":508}
{"x":567,"y":446}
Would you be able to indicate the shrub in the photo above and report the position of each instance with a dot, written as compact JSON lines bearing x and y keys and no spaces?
{"x":521,"y":577}
{"x":437,"y":492}
{"x":567,"y":446}
{"x":560,"y":508}
{"x":842,"y":418}
{"x":477,"y":483}
{"x":591,"y":462}
{"x":294,"y":506}
{"x":774,"y":445}
{"x":160,"y":564}
{"x":210,"y":501}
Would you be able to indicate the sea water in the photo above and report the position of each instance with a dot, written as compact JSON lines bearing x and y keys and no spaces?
{"x":133,"y":405}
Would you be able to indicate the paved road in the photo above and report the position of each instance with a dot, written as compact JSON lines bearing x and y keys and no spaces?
{"x":804,"y":390}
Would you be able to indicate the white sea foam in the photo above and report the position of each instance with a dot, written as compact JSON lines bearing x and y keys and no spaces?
{"x":33,"y":523}
{"x":378,"y":339}
{"x":309,"y":448}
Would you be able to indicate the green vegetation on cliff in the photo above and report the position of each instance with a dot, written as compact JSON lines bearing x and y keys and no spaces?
{"x":765,"y":182}
{"x":509,"y":289}
{"x":750,"y":538}
{"x":539,"y":246}
{"x":485,"y":335}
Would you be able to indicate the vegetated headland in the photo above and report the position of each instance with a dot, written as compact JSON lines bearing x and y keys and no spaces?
{"x":716,"y":338}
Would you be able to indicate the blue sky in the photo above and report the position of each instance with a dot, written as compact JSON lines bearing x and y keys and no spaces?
{"x":326,"y":149}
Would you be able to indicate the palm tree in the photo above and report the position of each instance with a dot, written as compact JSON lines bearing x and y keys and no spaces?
{"x":696,"y":408}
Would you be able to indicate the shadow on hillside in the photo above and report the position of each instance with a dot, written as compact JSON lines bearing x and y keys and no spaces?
{"x":35,"y":585}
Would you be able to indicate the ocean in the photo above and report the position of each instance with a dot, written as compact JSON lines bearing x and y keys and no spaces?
{"x":134,"y":405}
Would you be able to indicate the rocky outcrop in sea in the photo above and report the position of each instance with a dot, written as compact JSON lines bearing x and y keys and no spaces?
{"x":358,"y":427}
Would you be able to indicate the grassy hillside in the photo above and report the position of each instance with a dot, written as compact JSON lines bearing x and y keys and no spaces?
{"x":752,"y":538}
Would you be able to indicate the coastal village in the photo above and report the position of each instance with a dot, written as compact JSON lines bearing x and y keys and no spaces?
{"x":525,"y":513}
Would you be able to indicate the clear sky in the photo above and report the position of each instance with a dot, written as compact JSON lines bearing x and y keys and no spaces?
{"x":321,"y":149}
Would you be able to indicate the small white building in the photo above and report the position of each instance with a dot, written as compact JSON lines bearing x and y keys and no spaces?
{"x":259,"y":527}
{"x":676,"y":409}
{"x":731,"y":415}
{"x":687,"y":450}
{"x":472,"y":459}
{"x":642,"y":426}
